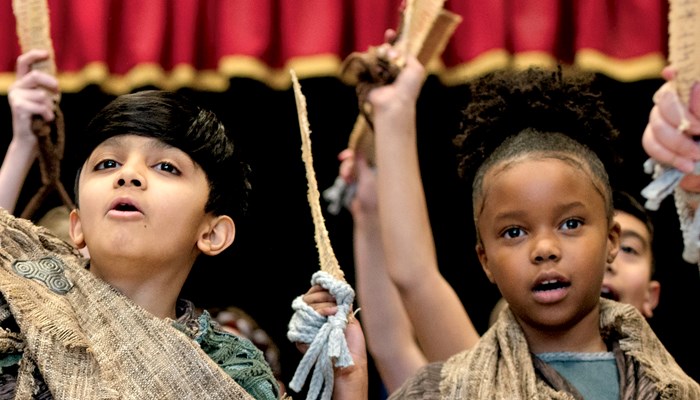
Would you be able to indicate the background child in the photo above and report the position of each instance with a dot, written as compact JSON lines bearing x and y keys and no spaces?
{"x":630,"y":277}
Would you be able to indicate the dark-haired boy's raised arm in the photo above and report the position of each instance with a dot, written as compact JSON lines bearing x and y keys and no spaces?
{"x":31,"y":94}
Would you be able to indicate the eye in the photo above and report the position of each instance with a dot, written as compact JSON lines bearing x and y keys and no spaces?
{"x":572,"y":223}
{"x":512,"y":232}
{"x":629,"y":250}
{"x":167,"y":167}
{"x":105,"y":164}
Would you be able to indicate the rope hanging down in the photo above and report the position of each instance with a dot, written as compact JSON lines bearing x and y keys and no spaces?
{"x":33,"y":31}
{"x":325,"y":335}
{"x":684,"y":56}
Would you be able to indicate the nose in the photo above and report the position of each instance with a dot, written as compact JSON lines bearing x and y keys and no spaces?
{"x":133,"y":181}
{"x":610,"y":268}
{"x":546,"y":248}
{"x":129,"y":177}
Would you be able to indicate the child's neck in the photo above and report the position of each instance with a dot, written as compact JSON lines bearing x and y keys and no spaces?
{"x":155,"y":290}
{"x":584,"y":337}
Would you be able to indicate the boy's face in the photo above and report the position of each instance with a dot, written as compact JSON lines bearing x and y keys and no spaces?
{"x":140,"y":200}
{"x":628,"y":278}
{"x":545,"y":241}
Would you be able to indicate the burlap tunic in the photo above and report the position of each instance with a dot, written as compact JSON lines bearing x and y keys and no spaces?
{"x":501,"y":366}
{"x":88,"y":340}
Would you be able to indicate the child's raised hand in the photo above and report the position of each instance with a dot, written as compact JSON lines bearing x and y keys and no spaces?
{"x":352,"y":383}
{"x":347,"y":165}
{"x":403,"y":92}
{"x":321,"y":300}
{"x":32,"y":93}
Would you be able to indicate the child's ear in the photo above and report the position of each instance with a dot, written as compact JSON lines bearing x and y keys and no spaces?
{"x":76,"y":229}
{"x":613,"y":241}
{"x":217,"y":235}
{"x":481,"y":253}
{"x":651,"y":298}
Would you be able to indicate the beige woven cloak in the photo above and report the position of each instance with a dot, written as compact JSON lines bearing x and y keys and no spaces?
{"x":88,"y":340}
{"x":500,"y":366}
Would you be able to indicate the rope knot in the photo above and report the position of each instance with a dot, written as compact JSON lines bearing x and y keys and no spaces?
{"x":325,"y":336}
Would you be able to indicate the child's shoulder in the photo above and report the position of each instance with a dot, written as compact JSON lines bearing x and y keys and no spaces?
{"x":236,"y":355}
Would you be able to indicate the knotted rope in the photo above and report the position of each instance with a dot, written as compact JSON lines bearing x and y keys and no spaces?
{"x":684,"y":54}
{"x":665,"y":183}
{"x":33,"y":31}
{"x":326,"y":335}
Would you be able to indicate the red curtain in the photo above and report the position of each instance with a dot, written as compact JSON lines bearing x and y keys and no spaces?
{"x":123,"y":44}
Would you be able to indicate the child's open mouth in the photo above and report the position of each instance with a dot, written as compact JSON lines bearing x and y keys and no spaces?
{"x":609,"y":293}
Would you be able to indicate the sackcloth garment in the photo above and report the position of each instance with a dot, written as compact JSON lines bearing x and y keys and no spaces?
{"x":501,"y":366}
{"x":241,"y":359}
{"x":117,"y":350}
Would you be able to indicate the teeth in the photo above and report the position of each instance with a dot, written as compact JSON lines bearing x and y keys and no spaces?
{"x":549,"y":281}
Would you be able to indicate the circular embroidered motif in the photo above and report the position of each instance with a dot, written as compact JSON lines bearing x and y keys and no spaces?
{"x":48,"y":270}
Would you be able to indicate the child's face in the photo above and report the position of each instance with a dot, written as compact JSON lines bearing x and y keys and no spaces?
{"x":628,"y":278}
{"x":140,"y":200}
{"x":545,"y":241}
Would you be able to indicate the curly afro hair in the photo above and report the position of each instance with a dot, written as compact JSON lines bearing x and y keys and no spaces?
{"x":520,"y":113}
{"x":506,"y":102}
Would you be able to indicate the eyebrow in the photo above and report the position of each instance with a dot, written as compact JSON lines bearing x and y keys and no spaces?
{"x":519,"y":213}
{"x":626,"y":233}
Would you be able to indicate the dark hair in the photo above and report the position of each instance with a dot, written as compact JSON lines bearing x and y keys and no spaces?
{"x":625,"y":202}
{"x":175,"y":120}
{"x":513,"y":113}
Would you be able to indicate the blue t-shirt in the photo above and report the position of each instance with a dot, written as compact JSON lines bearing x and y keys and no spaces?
{"x":594,"y":375}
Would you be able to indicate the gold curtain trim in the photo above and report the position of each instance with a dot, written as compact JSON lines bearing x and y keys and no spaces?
{"x":648,"y":66}
{"x":484,"y":63}
{"x":328,"y":65}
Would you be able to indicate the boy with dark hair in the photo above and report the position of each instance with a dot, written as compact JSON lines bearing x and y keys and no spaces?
{"x":630,"y":277}
{"x":160,"y":185}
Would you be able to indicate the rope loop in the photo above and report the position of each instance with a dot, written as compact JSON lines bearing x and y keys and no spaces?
{"x":325,"y":336}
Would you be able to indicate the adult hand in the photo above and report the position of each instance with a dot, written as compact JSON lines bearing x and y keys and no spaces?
{"x":666,"y":140}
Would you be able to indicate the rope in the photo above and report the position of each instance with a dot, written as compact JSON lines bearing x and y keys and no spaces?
{"x":665,"y":183}
{"x":339,"y":195}
{"x":34,"y":32}
{"x":325,"y":336}
{"x":683,"y":54}
{"x":424,"y":29}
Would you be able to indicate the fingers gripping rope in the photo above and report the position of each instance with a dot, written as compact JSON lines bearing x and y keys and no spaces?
{"x":665,"y":183}
{"x":326,"y":336}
